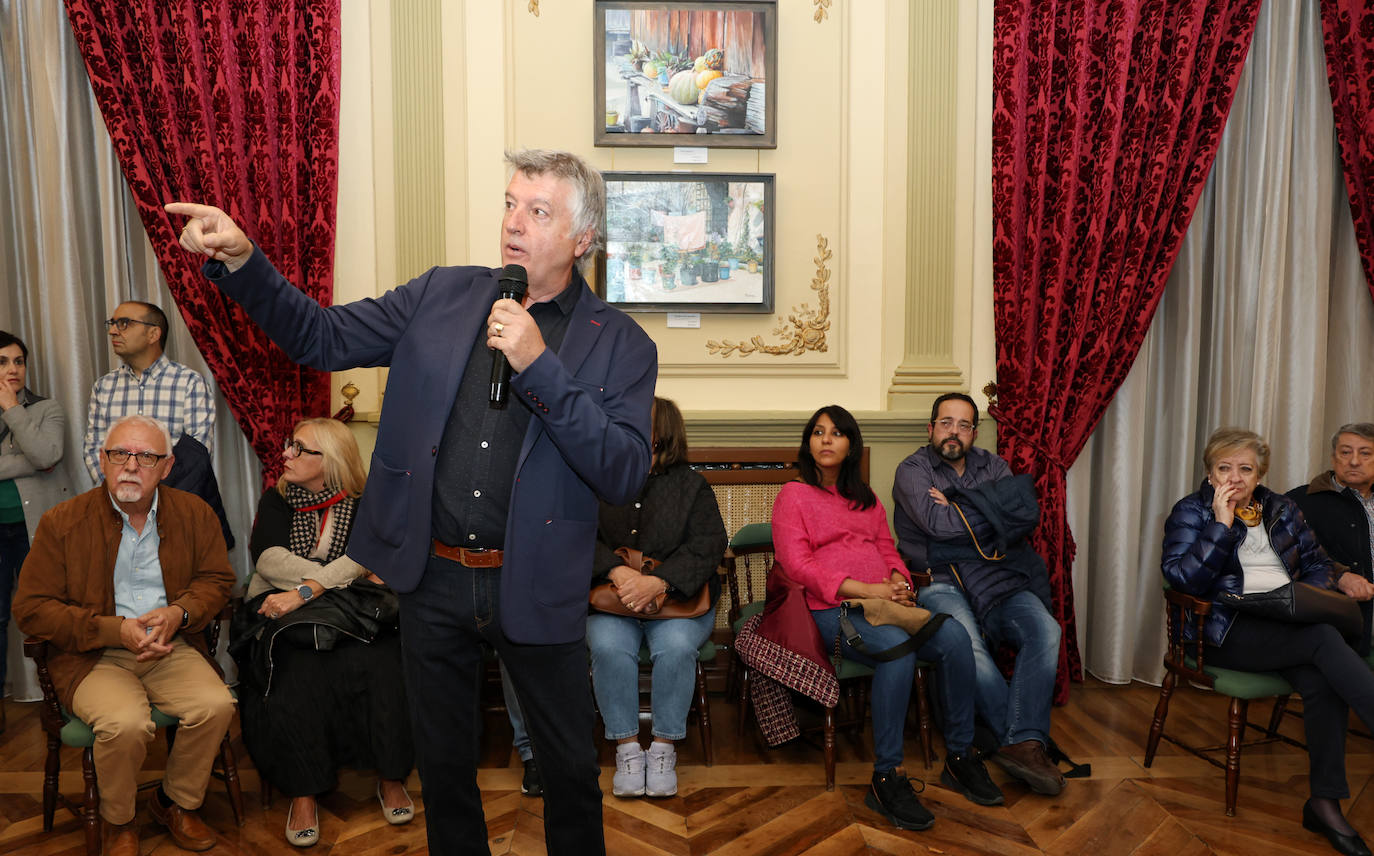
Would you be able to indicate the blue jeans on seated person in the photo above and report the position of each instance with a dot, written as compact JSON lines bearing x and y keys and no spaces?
{"x":951,"y":652}
{"x":520,"y":738}
{"x":1019,"y":710}
{"x":615,"y":640}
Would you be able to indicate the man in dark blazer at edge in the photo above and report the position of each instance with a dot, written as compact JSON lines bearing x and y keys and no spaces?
{"x":473,"y":513}
{"x":1339,"y":506}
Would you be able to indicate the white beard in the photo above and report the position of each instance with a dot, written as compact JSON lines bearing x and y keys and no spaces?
{"x":128,"y":492}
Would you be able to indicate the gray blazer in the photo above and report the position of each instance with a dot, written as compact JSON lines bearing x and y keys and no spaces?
{"x":31,"y":453}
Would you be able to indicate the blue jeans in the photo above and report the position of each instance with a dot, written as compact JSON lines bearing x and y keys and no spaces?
{"x":1020,"y":710}
{"x":444,"y":621}
{"x":14,"y":546}
{"x":949,"y":649}
{"x":520,"y":738}
{"x":615,"y":641}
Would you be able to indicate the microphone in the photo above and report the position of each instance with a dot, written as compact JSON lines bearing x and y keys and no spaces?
{"x":513,"y":282}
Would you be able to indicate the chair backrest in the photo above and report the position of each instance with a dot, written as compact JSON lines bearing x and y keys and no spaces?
{"x":1177,"y":607}
{"x":746,"y":480}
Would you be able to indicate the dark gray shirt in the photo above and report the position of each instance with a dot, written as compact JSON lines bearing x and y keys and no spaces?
{"x":475,"y":468}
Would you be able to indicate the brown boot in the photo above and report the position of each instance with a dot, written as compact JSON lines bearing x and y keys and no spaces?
{"x":120,"y":839}
{"x":1028,"y":762}
{"x":185,"y":826}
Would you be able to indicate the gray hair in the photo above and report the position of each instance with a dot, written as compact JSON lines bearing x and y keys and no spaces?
{"x":589,"y":190}
{"x":147,"y":421}
{"x":1363,"y":430}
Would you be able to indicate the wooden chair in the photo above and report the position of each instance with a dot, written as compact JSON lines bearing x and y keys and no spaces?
{"x":756,"y":538}
{"x":64,"y":729}
{"x":1185,"y":659}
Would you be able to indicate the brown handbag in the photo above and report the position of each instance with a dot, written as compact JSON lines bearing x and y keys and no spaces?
{"x":606,"y":597}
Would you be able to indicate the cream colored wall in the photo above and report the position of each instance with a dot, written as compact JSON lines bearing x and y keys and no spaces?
{"x":883,"y":126}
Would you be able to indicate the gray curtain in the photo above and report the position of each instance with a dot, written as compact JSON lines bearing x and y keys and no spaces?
{"x":72,"y":248}
{"x":1265,"y":323}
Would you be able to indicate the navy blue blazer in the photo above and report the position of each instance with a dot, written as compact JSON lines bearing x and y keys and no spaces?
{"x":589,"y":437}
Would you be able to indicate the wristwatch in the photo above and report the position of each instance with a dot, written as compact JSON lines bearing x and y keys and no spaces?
{"x":185,"y":614}
{"x":305,"y":591}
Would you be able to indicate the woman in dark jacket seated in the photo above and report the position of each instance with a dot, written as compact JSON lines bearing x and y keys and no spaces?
{"x":317,"y":711}
{"x":675,"y":520}
{"x":1235,"y":535}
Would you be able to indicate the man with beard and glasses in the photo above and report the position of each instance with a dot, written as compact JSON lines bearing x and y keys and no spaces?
{"x":955,"y":502}
{"x":120,"y":581}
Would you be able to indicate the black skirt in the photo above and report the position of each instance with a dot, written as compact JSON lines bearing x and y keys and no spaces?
{"x":329,"y":709}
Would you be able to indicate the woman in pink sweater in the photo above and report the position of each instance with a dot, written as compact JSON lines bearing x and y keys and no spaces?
{"x":830,"y":533}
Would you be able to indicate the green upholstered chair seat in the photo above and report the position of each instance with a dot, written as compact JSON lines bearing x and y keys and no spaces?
{"x":746,"y":612}
{"x":753,"y":536}
{"x":1246,"y":685}
{"x":705,"y":654}
{"x":850,"y":669}
{"x":75,"y":732}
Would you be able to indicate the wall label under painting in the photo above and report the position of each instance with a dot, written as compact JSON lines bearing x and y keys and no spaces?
{"x":668,"y":70}
{"x":689,"y":242}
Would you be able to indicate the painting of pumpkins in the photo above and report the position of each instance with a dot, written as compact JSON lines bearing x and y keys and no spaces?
{"x":667,"y":71}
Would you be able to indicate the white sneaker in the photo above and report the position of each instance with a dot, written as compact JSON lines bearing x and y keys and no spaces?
{"x":629,"y":771}
{"x":660,"y":779}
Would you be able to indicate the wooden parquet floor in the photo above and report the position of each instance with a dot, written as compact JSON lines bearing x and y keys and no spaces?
{"x":756,"y":801}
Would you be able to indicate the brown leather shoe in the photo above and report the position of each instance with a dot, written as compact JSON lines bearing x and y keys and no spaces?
{"x":120,"y":839}
{"x":185,"y":826}
{"x":1028,"y":762}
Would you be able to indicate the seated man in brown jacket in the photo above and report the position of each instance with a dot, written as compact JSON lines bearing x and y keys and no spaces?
{"x":118,"y":581}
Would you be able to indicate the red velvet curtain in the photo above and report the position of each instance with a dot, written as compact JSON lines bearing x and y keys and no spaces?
{"x":1348,"y":30}
{"x":234,"y":103}
{"x":1106,"y":119}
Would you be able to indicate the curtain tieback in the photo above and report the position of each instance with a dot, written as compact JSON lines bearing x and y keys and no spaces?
{"x":1044,"y":454}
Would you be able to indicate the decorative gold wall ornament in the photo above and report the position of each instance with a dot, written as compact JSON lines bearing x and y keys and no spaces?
{"x":822,"y":10}
{"x":804,"y":329}
{"x":534,"y":8}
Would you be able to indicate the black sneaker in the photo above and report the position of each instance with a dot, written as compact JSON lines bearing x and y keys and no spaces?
{"x":529,"y":785}
{"x":966,"y":774}
{"x":893,"y":797}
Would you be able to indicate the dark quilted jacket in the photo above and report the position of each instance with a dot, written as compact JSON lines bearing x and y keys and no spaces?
{"x":1200,"y":554}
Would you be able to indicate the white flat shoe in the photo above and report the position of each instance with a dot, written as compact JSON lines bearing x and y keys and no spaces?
{"x":307,"y":837}
{"x":396,"y":816}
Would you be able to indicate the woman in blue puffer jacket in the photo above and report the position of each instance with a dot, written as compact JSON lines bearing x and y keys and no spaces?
{"x":1234,"y":535}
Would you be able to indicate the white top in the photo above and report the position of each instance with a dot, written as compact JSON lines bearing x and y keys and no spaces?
{"x":1262,"y":569}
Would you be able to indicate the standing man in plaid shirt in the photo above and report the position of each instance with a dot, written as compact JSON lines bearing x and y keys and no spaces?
{"x":146,"y":383}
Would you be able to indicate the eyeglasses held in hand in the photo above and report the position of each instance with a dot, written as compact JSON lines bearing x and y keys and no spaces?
{"x":119,"y":457}
{"x":949,"y":422}
{"x":123,"y":323}
{"x":294,"y":449}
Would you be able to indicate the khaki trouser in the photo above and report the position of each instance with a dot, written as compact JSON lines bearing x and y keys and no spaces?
{"x":114,"y":698}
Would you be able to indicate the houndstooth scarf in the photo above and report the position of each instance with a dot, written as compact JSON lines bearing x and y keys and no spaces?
{"x":307,"y":524}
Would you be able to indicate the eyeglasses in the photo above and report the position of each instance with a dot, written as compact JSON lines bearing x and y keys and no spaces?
{"x":119,"y":457}
{"x":123,"y":323}
{"x":294,"y":449}
{"x":964,"y":426}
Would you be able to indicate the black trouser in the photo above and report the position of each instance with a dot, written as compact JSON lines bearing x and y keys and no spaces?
{"x":1327,"y":672}
{"x":443,"y":623}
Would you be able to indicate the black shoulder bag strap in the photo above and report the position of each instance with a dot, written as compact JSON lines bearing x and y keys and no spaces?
{"x":850,"y":634}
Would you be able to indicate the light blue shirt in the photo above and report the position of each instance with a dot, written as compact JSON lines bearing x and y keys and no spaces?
{"x":138,"y":585}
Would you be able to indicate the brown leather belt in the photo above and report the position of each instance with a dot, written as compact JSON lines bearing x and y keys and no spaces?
{"x":468,"y":558}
